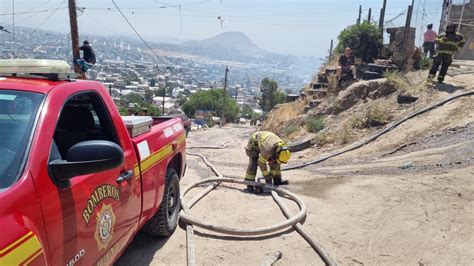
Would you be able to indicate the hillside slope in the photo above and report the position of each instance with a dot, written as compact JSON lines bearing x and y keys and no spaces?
{"x":354,"y":113}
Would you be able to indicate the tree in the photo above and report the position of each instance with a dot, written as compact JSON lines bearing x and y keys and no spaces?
{"x":212,"y":100}
{"x":248,"y":113}
{"x":364,"y":39}
{"x":271,"y":96}
{"x":139,"y":104}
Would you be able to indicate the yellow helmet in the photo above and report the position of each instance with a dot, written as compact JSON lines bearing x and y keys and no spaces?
{"x":284,"y":155}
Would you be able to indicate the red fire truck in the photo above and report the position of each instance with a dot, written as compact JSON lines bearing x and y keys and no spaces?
{"x":77,"y":180}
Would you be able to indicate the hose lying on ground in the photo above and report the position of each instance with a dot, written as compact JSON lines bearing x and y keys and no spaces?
{"x":190,"y":250}
{"x":367,"y":140}
{"x":299,"y":227}
{"x":244,"y":231}
{"x":292,"y":220}
{"x":376,"y":136}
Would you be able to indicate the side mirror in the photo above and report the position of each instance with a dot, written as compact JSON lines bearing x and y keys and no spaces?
{"x":84,"y":158}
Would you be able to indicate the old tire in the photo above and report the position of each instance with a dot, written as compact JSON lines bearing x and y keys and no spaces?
{"x":165,"y":220}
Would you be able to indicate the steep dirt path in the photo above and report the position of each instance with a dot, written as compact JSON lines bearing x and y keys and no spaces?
{"x":363,"y":209}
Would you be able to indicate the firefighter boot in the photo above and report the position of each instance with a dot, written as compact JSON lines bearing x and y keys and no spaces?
{"x":250,"y":188}
{"x":268,"y":180}
{"x":277,"y":181}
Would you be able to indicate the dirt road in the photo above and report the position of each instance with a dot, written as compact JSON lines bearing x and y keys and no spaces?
{"x":407,"y":198}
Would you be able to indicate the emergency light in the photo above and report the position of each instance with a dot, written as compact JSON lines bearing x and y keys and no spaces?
{"x":34,"y":66}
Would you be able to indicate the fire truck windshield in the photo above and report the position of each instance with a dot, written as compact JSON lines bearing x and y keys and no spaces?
{"x":18,"y":115}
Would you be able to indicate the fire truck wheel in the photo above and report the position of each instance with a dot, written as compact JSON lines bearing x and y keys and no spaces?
{"x":164,"y":222}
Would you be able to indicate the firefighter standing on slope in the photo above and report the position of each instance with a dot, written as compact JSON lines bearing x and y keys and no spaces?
{"x":263,"y":147}
{"x":448,"y":45}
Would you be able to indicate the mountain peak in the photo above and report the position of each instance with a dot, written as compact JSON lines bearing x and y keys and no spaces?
{"x":234,"y":40}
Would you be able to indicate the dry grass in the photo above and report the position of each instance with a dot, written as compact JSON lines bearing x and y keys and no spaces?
{"x":401,"y":83}
{"x":345,"y":134}
{"x":377,"y":114}
{"x":396,"y":79}
{"x":333,"y":102}
{"x":321,"y":139}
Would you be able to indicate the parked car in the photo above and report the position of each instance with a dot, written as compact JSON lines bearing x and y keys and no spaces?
{"x":186,"y":121}
{"x":76,"y":183}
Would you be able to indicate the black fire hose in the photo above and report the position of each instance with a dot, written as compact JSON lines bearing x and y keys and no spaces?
{"x":293,"y":220}
{"x":379,"y":134}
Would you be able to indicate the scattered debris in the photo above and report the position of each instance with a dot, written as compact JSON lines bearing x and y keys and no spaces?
{"x":272,"y":259}
{"x":406,"y":98}
{"x":407,"y":165}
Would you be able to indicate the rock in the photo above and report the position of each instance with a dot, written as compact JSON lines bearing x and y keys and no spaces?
{"x":358,"y":92}
{"x":306,"y":109}
{"x":314,"y":103}
{"x":406,"y":98}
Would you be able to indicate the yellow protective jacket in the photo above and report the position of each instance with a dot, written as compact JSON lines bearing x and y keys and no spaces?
{"x":266,"y":144}
{"x":449,"y":43}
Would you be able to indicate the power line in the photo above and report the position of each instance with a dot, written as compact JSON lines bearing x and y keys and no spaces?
{"x":136,"y":32}
{"x":31,"y":12}
{"x":48,"y":17}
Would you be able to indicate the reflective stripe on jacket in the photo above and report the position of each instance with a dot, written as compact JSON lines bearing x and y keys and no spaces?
{"x":449,"y":43}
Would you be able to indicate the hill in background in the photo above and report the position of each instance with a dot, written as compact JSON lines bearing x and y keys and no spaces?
{"x":233,"y":40}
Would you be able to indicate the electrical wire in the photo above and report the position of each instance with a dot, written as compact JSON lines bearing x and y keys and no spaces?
{"x":136,"y":32}
{"x":31,"y":12}
{"x":48,"y":17}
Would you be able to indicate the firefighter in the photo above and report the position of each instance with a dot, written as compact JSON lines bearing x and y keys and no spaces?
{"x":448,"y":44}
{"x":266,"y":147}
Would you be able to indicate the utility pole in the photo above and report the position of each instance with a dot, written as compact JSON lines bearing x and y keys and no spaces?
{"x":224,"y":98}
{"x":445,"y":15}
{"x":369,"y":18}
{"x":360,"y":15}
{"x":330,"y":49}
{"x":236,"y":93}
{"x":462,"y":14}
{"x":163,"y":104}
{"x":407,"y":30}
{"x":76,"y":54}
{"x":382,"y":16}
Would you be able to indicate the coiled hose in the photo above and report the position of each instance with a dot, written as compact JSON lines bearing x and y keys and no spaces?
{"x":292,"y":220}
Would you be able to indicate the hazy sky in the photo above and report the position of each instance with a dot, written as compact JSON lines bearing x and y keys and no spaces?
{"x":300,"y":27}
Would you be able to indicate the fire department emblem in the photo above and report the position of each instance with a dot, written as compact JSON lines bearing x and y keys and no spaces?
{"x":105,"y":226}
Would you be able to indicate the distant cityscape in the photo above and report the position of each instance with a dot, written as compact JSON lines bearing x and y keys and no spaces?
{"x":125,"y":65}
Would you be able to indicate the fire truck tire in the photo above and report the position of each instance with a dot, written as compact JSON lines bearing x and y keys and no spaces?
{"x":164,"y":222}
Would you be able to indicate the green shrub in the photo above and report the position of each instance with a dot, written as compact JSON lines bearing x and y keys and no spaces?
{"x":314,"y":124}
{"x":290,"y":129}
{"x":321,"y":139}
{"x":364,"y":39}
